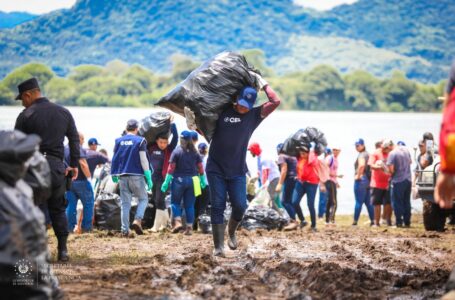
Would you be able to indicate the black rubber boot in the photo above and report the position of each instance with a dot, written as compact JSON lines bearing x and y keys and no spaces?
{"x":232,"y":227}
{"x":218,"y":239}
{"x":62,"y":250}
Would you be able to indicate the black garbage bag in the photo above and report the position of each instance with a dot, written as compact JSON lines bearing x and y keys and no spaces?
{"x":38,"y":177}
{"x":205,"y":223}
{"x":24,"y":259}
{"x":157,"y":123}
{"x":209,"y":90}
{"x":263,"y":217}
{"x":107,"y":211}
{"x":147,"y":220}
{"x":304,"y":138}
{"x":15,"y":149}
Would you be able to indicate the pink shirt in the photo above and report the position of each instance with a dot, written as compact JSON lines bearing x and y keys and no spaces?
{"x":332,"y":162}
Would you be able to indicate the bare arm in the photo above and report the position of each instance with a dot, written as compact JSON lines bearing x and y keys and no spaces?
{"x":84,"y":167}
{"x":274,"y":101}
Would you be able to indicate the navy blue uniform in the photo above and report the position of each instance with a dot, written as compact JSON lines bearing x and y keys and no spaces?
{"x":52,"y":123}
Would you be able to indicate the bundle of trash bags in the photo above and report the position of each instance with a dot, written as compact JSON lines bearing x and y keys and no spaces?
{"x":263,"y":217}
{"x":25,"y":261}
{"x":209,"y":90}
{"x":156,"y":124}
{"x":307,"y":138}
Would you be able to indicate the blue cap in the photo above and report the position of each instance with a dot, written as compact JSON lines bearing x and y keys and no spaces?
{"x":328,"y":150}
{"x":247,"y":97}
{"x":360,"y":141}
{"x":401,"y":143}
{"x":202,"y":146}
{"x":279,"y":147}
{"x":194,"y":135}
{"x":132,"y":124}
{"x":186,"y":135}
{"x":93,"y":141}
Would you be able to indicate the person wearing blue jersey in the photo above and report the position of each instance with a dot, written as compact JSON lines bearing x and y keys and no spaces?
{"x":129,"y":166}
{"x":226,"y":163}
{"x":186,"y":173}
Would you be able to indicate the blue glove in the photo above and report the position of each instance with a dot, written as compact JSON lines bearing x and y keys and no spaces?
{"x":166,"y":183}
{"x":115,"y":179}
{"x":203,"y":180}
{"x":148,"y":178}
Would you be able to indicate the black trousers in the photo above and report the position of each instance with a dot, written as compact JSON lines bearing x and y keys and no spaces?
{"x":201,"y":204}
{"x":158,"y":197}
{"x":331,"y":206}
{"x":56,"y":204}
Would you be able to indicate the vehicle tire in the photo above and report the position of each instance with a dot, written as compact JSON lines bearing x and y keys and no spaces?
{"x":434,"y":217}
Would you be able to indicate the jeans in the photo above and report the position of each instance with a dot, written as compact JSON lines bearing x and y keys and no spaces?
{"x":220,"y":187}
{"x":401,"y":202}
{"x":331,"y":207}
{"x":287,"y":190}
{"x":82,"y":190}
{"x":183,"y":189}
{"x":322,"y":203}
{"x":362,"y":196}
{"x":132,"y":185}
{"x":310,"y":189}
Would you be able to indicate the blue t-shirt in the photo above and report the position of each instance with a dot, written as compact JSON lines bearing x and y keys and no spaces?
{"x":400,"y":158}
{"x":95,"y":158}
{"x":291,"y":163}
{"x":83,"y":154}
{"x":186,"y":162}
{"x":126,"y":159}
{"x":227,"y":154}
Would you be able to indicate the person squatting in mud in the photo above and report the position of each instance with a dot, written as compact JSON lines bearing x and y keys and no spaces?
{"x":226,"y":164}
{"x":159,"y":155}
{"x":268,"y":172}
{"x":187,"y":175}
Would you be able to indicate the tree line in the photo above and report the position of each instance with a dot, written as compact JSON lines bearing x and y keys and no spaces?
{"x":322,"y":88}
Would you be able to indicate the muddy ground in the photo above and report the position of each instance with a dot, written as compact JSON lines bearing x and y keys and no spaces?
{"x":339,"y":262}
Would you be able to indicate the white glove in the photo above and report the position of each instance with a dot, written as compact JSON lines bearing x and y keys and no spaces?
{"x":261,"y":81}
{"x":190,"y":118}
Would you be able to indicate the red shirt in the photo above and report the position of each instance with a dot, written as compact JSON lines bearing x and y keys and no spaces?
{"x":379,"y":179}
{"x":447,"y":137}
{"x":306,"y":169}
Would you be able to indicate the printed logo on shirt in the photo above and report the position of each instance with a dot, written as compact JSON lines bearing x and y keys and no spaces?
{"x":157,"y":152}
{"x":232,"y":120}
{"x":126,"y":143}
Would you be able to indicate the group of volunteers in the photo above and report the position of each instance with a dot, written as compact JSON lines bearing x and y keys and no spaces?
{"x":185,"y":169}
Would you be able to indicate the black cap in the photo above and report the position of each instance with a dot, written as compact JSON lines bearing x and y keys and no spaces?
{"x":29,"y":84}
{"x":132,"y":124}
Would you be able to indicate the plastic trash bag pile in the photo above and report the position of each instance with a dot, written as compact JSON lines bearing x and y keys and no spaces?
{"x":209,"y":90}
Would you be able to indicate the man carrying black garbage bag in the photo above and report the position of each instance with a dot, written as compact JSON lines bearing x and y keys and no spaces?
{"x":51,"y":122}
{"x":226,"y":164}
{"x":160,"y":152}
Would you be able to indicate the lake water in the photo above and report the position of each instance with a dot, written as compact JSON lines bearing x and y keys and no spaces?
{"x":340,"y":128}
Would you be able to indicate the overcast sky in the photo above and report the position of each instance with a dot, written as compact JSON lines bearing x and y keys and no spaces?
{"x":44,"y":6}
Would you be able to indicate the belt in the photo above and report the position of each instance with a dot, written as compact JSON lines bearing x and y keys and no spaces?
{"x":48,"y":155}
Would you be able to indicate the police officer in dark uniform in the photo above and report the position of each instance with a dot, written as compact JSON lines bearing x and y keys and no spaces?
{"x":52,"y":123}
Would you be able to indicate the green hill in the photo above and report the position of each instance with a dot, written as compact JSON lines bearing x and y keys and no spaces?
{"x":408,"y":33}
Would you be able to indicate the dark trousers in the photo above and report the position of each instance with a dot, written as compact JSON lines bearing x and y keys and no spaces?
{"x":200,"y":207}
{"x":401,"y":202}
{"x":287,"y":190}
{"x":56,"y":204}
{"x":158,"y":198}
{"x":331,"y":206}
{"x":220,"y":187}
